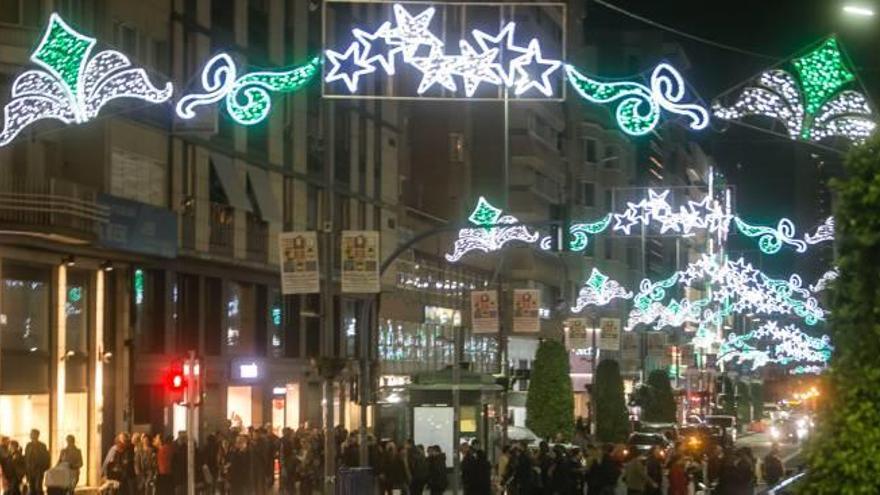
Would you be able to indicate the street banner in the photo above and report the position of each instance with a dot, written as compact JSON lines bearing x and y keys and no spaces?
{"x":526,"y":314}
{"x":484,"y":311}
{"x":688,"y":355}
{"x":609,"y":334}
{"x":656,"y":344}
{"x":576,"y":333}
{"x":629,"y":346}
{"x":360,"y":261}
{"x":299,"y":262}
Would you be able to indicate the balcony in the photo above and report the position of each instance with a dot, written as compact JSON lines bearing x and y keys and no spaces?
{"x":51,"y":208}
{"x":257,"y":239}
{"x":222,"y":238}
{"x":188,"y":228}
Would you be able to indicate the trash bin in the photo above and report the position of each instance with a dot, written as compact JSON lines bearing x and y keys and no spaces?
{"x":355,"y":481}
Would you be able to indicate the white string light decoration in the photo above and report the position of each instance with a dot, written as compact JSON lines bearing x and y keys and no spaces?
{"x":489,"y":61}
{"x":73,"y":86}
{"x":783,"y":345}
{"x":490,"y":234}
{"x":599,"y":290}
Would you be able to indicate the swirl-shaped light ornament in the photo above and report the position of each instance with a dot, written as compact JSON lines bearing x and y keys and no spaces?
{"x":248,"y":100}
{"x":638,"y":112}
{"x":770,"y":240}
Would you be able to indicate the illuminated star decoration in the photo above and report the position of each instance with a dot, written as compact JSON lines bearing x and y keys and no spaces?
{"x":703,"y":214}
{"x":599,"y":290}
{"x":490,"y":61}
{"x":247,"y":98}
{"x":348,"y":66}
{"x":770,"y":343}
{"x":74,"y":86}
{"x":638,"y":112}
{"x":809,"y":100}
{"x":531,"y":63}
{"x":491,"y":234}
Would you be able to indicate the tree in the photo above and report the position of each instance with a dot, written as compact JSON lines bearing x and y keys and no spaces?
{"x":659,"y":403}
{"x":612,"y":417}
{"x":757,"y":393}
{"x":550,"y":402}
{"x":842,"y":455}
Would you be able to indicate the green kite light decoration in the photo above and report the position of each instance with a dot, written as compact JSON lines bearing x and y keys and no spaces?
{"x":247,"y":97}
{"x":810,"y":100}
{"x":73,"y":85}
{"x":599,"y":290}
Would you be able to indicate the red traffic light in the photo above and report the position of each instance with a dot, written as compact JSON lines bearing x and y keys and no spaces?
{"x":176,"y":381}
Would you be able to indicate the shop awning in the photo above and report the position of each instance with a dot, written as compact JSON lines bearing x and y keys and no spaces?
{"x":266,"y":201}
{"x":229,"y":179}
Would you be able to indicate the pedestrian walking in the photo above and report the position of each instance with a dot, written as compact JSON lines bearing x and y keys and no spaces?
{"x":36,"y":460}
{"x":72,"y":455}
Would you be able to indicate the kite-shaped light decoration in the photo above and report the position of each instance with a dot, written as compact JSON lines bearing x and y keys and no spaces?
{"x":809,"y":100}
{"x":824,"y":280}
{"x":638,"y":110}
{"x":72,"y":85}
{"x":824,"y":232}
{"x":491,"y":234}
{"x":599,"y":290}
{"x":247,"y":97}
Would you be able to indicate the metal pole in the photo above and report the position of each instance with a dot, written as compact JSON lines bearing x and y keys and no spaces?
{"x":366,"y":381}
{"x":456,"y":413}
{"x":190,"y":423}
{"x":503,"y":363}
{"x":595,"y":354}
{"x":327,"y":306}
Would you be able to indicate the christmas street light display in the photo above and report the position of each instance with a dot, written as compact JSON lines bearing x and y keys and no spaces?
{"x":824,"y":280}
{"x":599,"y":290}
{"x":247,"y":98}
{"x":784,"y":345}
{"x":410,"y":40}
{"x":808,"y":369}
{"x":73,"y":85}
{"x":810,"y":102}
{"x":490,"y":233}
{"x":638,"y":112}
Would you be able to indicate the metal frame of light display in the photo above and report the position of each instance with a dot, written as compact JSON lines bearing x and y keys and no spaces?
{"x":809,"y":100}
{"x":73,"y":85}
{"x":785,"y":346}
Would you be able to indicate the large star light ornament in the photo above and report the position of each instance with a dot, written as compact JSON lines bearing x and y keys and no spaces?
{"x":475,"y":67}
{"x":503,"y":42}
{"x":528,"y":65}
{"x":371,"y":55}
{"x":73,"y":85}
{"x":341,"y":65}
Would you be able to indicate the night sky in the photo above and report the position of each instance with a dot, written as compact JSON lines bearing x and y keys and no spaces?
{"x":761,"y":166}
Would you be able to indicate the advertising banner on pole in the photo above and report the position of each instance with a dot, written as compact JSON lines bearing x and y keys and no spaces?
{"x":609,"y":334}
{"x":484,"y":311}
{"x":629,"y":346}
{"x":360,"y":261}
{"x":299,"y":262}
{"x":576,"y":333}
{"x":526,"y":314}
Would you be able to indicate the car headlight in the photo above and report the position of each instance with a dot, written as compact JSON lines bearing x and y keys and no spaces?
{"x":774,"y":432}
{"x":801,"y":433}
{"x":801,"y":423}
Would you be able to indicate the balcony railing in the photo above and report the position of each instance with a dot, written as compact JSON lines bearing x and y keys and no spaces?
{"x":222,"y":236}
{"x":50,"y":206}
{"x":257,"y":239}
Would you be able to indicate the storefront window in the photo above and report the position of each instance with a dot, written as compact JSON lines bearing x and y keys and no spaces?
{"x":76,"y":400}
{"x":233,"y":315}
{"x":276,"y":341}
{"x":24,"y":350}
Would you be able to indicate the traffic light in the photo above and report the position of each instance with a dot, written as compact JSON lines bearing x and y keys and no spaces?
{"x":175,"y":382}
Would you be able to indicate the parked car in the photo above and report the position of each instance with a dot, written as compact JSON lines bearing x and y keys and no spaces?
{"x":669,"y":430}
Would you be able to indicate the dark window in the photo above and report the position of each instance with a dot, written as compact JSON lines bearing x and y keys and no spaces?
{"x":291,"y":320}
{"x":258,"y":32}
{"x":609,"y":200}
{"x":609,"y":248}
{"x":187,"y":313}
{"x":148,"y":295}
{"x":590,"y":150}
{"x":342,"y":152}
{"x":313,"y":337}
{"x":223,"y":22}
{"x":213,"y":316}
{"x":262,"y":322}
{"x":588,"y":194}
{"x":612,"y":157}
{"x":24,"y":356}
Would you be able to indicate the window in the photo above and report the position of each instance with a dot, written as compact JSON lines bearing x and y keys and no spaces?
{"x":213,"y":299}
{"x":588,"y":194}
{"x":611,"y":157}
{"x":609,"y":248}
{"x":127,"y":39}
{"x":233,"y":315}
{"x":276,"y":330}
{"x":137,"y":177}
{"x":24,"y":355}
{"x":456,"y":147}
{"x":609,"y":200}
{"x":21,"y":12}
{"x":148,"y":294}
{"x":590,"y":147}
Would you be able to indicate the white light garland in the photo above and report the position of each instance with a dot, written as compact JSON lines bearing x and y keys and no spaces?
{"x":491,"y":234}
{"x":824,"y":280}
{"x":787,"y":345}
{"x":73,"y":87}
{"x":824,"y":233}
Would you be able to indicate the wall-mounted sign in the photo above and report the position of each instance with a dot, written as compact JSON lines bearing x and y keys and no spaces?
{"x":299,"y":262}
{"x":526,"y":310}
{"x":246,"y":369}
{"x":609,"y":334}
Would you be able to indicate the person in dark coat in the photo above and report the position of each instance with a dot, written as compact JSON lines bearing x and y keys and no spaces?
{"x":14,"y":468}
{"x":773,"y":469}
{"x":240,"y":468}
{"x":179,"y":464}
{"x":525,"y":480}
{"x":36,"y":460}
{"x":119,"y":464}
{"x":480,"y":482}
{"x":437,"y":477}
{"x":654,"y":467}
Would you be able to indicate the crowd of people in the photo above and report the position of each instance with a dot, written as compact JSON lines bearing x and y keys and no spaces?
{"x":256,"y":461}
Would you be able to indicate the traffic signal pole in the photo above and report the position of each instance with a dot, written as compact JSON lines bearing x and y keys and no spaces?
{"x":191,"y":401}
